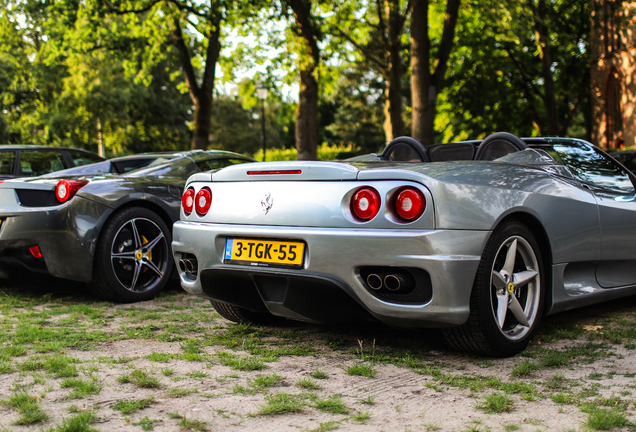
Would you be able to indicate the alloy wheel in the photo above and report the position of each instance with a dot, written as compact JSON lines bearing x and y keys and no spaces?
{"x":139,"y":255}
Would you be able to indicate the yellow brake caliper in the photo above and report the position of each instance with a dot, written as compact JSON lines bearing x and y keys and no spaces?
{"x":144,"y":240}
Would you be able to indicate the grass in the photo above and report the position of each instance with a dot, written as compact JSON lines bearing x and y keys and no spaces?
{"x":525,"y":368}
{"x":29,"y":409}
{"x":180,"y":392}
{"x":364,"y":370}
{"x":281,"y":403}
{"x":81,"y":388}
{"x":146,"y":424}
{"x":307,"y":384}
{"x":333,"y":405}
{"x":132,"y":406}
{"x":319,"y":374}
{"x":244,"y":364}
{"x":78,"y":423}
{"x":189,"y":424}
{"x":496,"y":403}
{"x":140,"y":378}
{"x":361,"y":418}
{"x":42,"y":333}
{"x":605,"y":418}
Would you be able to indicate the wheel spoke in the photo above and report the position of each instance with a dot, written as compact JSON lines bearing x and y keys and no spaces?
{"x":152,"y":266}
{"x":498,"y":280}
{"x":511,"y":255}
{"x":148,"y":246}
{"x":502,"y":308}
{"x":138,"y":242}
{"x":517,"y":310}
{"x":123,"y":255}
{"x":522,"y":278}
{"x":138,"y":266}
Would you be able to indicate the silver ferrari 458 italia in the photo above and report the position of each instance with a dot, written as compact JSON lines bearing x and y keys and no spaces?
{"x":480,"y":238}
{"x":108,"y":224}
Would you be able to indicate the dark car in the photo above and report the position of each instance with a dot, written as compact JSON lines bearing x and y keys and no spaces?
{"x":110,"y":230}
{"x":118,"y":165}
{"x":32,"y":160}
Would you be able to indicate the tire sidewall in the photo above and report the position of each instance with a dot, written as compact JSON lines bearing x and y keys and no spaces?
{"x":481,"y":298}
{"x":103,"y":267}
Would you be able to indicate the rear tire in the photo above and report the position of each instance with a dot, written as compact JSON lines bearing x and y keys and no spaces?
{"x":241,"y":315}
{"x":133,"y":260}
{"x":506,"y":303}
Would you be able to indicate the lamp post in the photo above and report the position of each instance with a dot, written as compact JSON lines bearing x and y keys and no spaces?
{"x":262,"y":95}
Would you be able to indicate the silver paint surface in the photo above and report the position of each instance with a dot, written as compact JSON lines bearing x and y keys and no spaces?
{"x":590,"y":237}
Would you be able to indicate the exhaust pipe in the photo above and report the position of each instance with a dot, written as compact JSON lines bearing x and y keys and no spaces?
{"x":188,"y":265}
{"x":191,"y":265}
{"x":376,"y":281}
{"x":398,"y":282}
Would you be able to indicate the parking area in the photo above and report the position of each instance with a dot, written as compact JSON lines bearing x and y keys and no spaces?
{"x":172,"y":363}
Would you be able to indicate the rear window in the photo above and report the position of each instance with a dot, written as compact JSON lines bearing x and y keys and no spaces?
{"x":210,"y":164}
{"x":7,"y":162}
{"x":38,"y":162}
{"x":81,"y":158}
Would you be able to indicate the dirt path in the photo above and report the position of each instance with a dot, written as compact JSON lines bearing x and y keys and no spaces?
{"x":206,"y":387}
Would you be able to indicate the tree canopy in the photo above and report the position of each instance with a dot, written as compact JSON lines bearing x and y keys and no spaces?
{"x":129,"y":76}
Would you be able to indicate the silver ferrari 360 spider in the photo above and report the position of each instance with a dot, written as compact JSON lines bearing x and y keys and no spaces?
{"x":108,"y":224}
{"x":480,"y":238}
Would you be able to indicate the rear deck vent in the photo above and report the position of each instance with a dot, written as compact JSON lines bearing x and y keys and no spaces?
{"x":37,"y":198}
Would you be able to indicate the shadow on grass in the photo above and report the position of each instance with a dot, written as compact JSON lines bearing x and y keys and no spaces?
{"x":39,"y":285}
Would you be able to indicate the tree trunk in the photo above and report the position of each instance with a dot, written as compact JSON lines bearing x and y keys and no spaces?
{"x":201,"y":95}
{"x":201,"y":122}
{"x":307,"y":112}
{"x":424,"y":86}
{"x":420,"y":72}
{"x":543,"y":43}
{"x":393,"y":124}
{"x":307,"y":116}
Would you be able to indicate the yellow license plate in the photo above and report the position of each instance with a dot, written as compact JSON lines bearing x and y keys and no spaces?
{"x":264,"y":252}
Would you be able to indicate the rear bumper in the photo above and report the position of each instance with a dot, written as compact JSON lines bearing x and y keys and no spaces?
{"x":330,"y":287}
{"x":66,"y":235}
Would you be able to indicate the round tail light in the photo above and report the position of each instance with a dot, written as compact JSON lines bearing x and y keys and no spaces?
{"x":66,"y":189}
{"x":187,"y":201}
{"x":366,"y":203}
{"x":410,"y":204}
{"x":203,"y":200}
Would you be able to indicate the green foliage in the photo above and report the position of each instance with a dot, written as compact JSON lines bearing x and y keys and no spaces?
{"x":73,"y":75}
{"x":495,"y":80}
{"x":325,"y":152}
